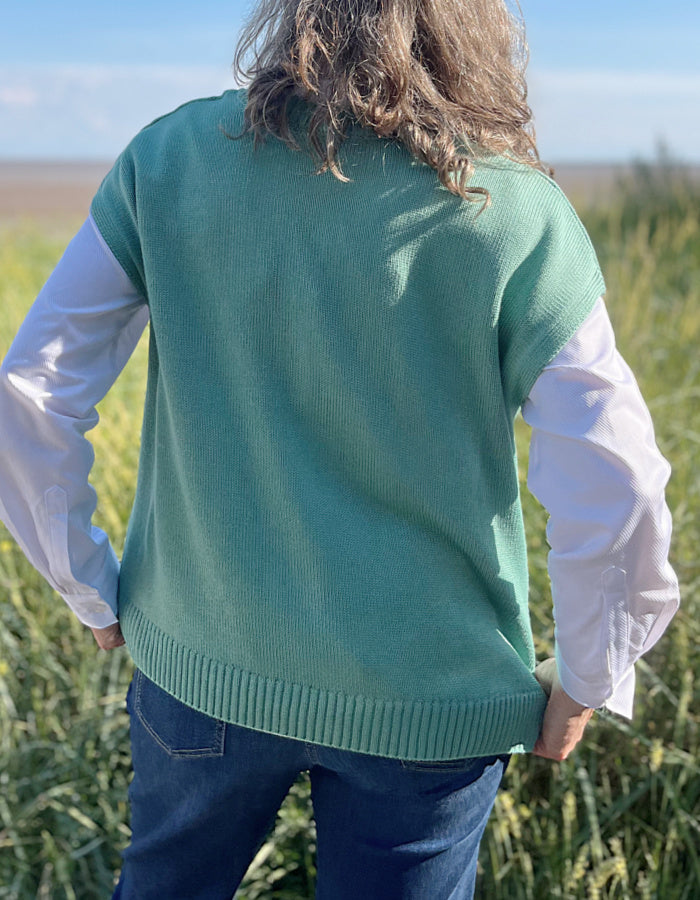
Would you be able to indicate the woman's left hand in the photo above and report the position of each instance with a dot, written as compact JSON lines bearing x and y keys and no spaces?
{"x":564,"y":719}
{"x":110,"y":637}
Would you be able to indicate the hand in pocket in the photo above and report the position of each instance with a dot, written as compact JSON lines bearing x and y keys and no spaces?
{"x":110,"y":637}
{"x":564,"y":719}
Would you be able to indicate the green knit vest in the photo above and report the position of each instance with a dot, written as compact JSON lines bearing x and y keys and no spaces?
{"x":327,"y":539}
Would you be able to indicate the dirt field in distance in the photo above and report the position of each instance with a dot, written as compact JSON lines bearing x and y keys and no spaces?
{"x":48,"y":190}
{"x":58,"y":190}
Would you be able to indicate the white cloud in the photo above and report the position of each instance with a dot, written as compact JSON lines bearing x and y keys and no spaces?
{"x":608,"y":115}
{"x":92,"y":111}
{"x":18,"y":95}
{"x":85,"y":111}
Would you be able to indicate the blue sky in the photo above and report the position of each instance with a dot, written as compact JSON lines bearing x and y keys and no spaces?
{"x":608,"y":80}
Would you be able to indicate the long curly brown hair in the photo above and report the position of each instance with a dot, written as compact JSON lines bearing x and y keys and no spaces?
{"x":444,"y":77}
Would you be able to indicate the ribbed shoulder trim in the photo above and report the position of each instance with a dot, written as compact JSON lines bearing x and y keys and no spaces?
{"x":191,"y":106}
{"x":418,"y":730}
{"x":555,"y":285}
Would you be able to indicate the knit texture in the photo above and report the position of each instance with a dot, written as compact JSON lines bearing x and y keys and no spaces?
{"x":327,"y":539}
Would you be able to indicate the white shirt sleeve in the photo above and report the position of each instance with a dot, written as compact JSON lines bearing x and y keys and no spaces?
{"x":75,"y":340}
{"x":594,"y":465}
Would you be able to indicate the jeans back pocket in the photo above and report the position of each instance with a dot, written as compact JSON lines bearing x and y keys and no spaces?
{"x":179,"y":729}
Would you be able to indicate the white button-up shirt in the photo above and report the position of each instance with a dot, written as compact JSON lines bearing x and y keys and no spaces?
{"x":594,"y":465}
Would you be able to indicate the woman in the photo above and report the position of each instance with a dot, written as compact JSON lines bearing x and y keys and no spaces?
{"x":356,"y":273}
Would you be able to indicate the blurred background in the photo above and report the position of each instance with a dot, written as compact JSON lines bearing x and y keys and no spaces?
{"x":615,"y":89}
{"x":609,"y":83}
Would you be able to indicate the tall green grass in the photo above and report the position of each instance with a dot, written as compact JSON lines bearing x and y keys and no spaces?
{"x":620,"y":819}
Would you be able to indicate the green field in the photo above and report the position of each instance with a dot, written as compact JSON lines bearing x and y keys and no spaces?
{"x":620,"y":819}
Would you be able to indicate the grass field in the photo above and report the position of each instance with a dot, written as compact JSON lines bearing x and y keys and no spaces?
{"x":621,"y":819}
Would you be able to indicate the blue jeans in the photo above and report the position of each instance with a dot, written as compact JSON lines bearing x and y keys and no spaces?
{"x":205,"y":794}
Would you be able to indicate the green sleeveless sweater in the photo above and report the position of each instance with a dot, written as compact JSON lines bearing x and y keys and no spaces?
{"x":327,"y":540}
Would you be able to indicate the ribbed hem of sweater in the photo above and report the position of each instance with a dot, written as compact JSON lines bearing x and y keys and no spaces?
{"x":403,"y":729}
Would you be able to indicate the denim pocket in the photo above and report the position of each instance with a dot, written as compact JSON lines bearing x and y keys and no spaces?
{"x":177,"y":728}
{"x":448,"y":766}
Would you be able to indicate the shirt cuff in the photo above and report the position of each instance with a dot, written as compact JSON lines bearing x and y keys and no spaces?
{"x":91,"y":609}
{"x":618,"y":698}
{"x":621,"y":701}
